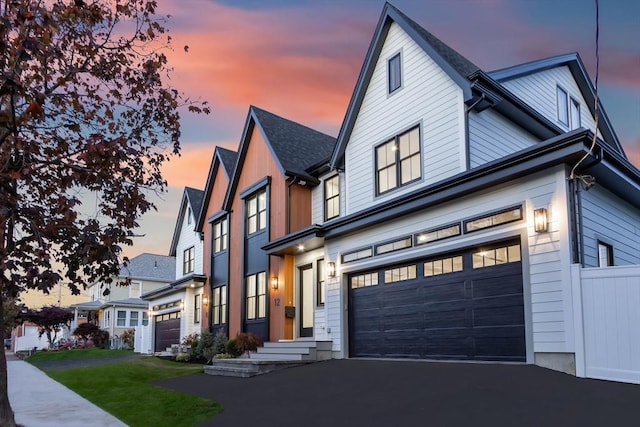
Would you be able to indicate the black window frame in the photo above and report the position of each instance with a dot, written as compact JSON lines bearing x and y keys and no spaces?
{"x":560,"y":91}
{"x":417,"y":236}
{"x":261,"y":224}
{"x":189,"y":260}
{"x":345,"y":255}
{"x":197,"y":308}
{"x":398,"y":161}
{"x":259,"y":300}
{"x":222,"y":237}
{"x":609,"y":249}
{"x":394,"y":69}
{"x":333,"y":197}
{"x":321,"y":282}
{"x":465,"y":223}
{"x":219,"y":305}
{"x":378,"y":248}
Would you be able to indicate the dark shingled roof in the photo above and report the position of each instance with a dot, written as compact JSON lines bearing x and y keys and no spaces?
{"x":461,"y":64}
{"x":296,"y":147}
{"x":160,"y":268}
{"x":228,"y":159}
{"x":195,"y":199}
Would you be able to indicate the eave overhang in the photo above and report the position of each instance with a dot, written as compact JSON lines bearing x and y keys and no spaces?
{"x":303,"y":240}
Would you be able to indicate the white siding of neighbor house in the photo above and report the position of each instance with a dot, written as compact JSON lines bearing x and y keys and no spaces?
{"x":613,"y":221}
{"x":492,"y":136}
{"x":429,"y":98}
{"x":546,"y":256}
{"x":188,"y":237}
{"x":539,"y":91}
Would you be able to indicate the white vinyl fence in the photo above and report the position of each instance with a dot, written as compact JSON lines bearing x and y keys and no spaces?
{"x":142,"y":341}
{"x":607,"y":322}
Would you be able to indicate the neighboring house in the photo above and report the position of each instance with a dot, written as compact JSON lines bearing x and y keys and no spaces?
{"x":445,"y":221}
{"x":177,"y":307}
{"x":122,"y":308}
{"x":25,"y":337}
{"x":213,"y":224}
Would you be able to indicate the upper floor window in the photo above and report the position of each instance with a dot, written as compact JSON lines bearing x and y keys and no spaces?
{"x":394,"y":73}
{"x":574,"y":110}
{"x":135,"y":289}
{"x":220,"y":235}
{"x":398,"y":161}
{"x":188,"y":215}
{"x":256,"y":212}
{"x":331,"y":197}
{"x":605,"y":255}
{"x":189,"y":260}
{"x":562,"y":101}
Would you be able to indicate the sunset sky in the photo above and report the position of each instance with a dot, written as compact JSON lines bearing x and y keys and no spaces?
{"x":300,"y":59}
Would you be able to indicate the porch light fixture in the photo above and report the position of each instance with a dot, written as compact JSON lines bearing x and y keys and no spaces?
{"x":205,"y":299}
{"x":331,"y":269}
{"x":541,"y":220}
{"x":274,"y":283}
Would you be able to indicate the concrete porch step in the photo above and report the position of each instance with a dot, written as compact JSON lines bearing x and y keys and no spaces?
{"x":293,"y":350}
{"x":246,"y":368}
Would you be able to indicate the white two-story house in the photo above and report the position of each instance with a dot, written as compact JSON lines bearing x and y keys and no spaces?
{"x":454,"y":205}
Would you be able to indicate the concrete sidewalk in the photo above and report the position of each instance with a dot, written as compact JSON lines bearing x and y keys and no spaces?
{"x":39,"y":401}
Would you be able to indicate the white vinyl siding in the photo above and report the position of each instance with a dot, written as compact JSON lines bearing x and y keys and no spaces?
{"x":546,"y":256}
{"x":187,"y":238}
{"x":429,"y":98}
{"x":609,"y":219}
{"x":492,"y":136}
{"x":539,"y":91}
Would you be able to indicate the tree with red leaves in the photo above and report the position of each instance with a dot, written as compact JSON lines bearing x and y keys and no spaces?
{"x":49,"y":320}
{"x":85,"y":110}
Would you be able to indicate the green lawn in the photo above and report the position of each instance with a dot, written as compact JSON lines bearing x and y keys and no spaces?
{"x":75,"y":354}
{"x":123,"y":389}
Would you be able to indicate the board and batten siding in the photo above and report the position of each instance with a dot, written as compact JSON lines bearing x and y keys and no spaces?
{"x":429,"y":98}
{"x":546,"y":256}
{"x":188,"y":237}
{"x":613,"y":221}
{"x":492,"y":136}
{"x":539,"y":91}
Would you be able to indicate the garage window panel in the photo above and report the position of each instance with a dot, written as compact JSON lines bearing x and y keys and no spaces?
{"x":403,"y":243}
{"x":400,"y":274}
{"x":433,"y":235}
{"x":357,"y":254}
{"x":494,"y":219}
{"x":364,"y":280}
{"x":496,"y":256}
{"x":443,"y":266}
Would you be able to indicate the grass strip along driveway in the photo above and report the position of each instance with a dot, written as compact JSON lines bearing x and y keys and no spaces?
{"x":122,"y":387}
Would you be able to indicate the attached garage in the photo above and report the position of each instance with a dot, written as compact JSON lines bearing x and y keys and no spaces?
{"x":167,"y":330}
{"x":463,"y":306}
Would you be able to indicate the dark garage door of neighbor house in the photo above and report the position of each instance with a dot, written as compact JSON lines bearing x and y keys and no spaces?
{"x":167,"y":330}
{"x":464,"y":306}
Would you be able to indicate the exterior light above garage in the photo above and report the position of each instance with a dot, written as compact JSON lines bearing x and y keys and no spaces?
{"x":541,"y":220}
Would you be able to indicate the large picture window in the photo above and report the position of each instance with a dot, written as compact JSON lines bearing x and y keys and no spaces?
{"x":256,"y":296}
{"x":256,"y":208}
{"x":398,"y":161}
{"x":332,"y":197}
{"x":189,"y":260}
{"x":220,"y":235}
{"x":219,"y":305}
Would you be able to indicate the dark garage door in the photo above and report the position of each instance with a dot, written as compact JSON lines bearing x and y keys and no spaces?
{"x":466,"y":306}
{"x":167,"y":330}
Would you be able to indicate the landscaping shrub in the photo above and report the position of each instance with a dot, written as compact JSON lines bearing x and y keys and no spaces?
{"x":128,"y":338}
{"x":232,"y":348}
{"x":183,"y":357}
{"x":86,"y":330}
{"x":101,"y":339}
{"x":220,"y":342}
{"x":206,"y":341}
{"x":209,"y":353}
{"x":91,"y":335}
{"x":247,"y":342}
{"x":191,"y":342}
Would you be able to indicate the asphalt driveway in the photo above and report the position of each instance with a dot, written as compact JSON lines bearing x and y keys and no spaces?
{"x":373,"y":393}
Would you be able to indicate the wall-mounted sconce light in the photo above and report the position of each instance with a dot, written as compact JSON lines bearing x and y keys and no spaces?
{"x":541,"y":220}
{"x":181,"y":305}
{"x":274,"y":283}
{"x":331,"y":269}
{"x":205,"y":299}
